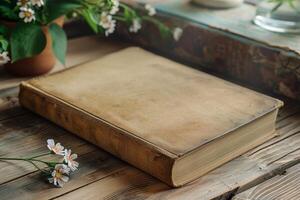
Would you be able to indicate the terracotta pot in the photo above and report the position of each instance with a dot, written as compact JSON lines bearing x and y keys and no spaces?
{"x":39,"y":64}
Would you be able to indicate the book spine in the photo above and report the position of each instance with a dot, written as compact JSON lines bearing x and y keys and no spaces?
{"x":233,"y":56}
{"x":112,"y":139}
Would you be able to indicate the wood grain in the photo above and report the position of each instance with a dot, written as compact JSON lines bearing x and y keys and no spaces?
{"x":130,"y":183}
{"x":235,"y":176}
{"x":23,"y":133}
{"x":284,"y":186}
{"x":217,"y":41}
{"x":225,"y":20}
{"x":80,"y":50}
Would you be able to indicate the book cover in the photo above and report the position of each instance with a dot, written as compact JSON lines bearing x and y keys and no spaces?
{"x":169,"y":120}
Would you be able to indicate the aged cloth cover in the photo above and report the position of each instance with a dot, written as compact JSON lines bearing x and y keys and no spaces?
{"x":145,"y":109}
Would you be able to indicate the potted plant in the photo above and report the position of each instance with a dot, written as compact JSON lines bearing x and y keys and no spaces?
{"x":31,"y":34}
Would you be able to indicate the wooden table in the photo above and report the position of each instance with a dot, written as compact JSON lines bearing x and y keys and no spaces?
{"x":259,"y":174}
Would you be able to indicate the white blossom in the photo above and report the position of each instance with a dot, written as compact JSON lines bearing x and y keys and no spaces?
{"x":38,"y":3}
{"x":69,"y":158}
{"x":177,"y":33}
{"x":60,"y":175}
{"x":136,"y":25}
{"x":55,"y":148}
{"x":23,"y":3}
{"x":4,"y":58}
{"x":108,"y":23}
{"x":115,"y":8}
{"x":151,"y":10}
{"x":27,"y":14}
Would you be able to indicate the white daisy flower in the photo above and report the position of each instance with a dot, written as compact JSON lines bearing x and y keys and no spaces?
{"x":115,"y":7}
{"x":23,"y":3}
{"x":105,"y":20}
{"x":177,"y":33}
{"x":38,"y":3}
{"x":60,"y":175}
{"x":151,"y":10}
{"x":69,"y":158}
{"x":111,"y":28}
{"x":108,"y":23}
{"x":136,"y":26}
{"x":27,"y":14}
{"x":55,"y":148}
{"x":4,"y":58}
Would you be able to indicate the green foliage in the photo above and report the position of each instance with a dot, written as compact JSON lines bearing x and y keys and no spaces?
{"x":4,"y":31}
{"x":165,"y":31}
{"x":8,"y":13}
{"x":3,"y":43}
{"x":59,"y":42}
{"x":129,"y":13}
{"x":91,"y":18}
{"x":4,"y":34}
{"x":58,"y":8}
{"x":26,"y":40}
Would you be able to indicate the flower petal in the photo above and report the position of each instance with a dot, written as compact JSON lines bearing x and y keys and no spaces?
{"x":65,"y":178}
{"x":74,"y":156}
{"x":50,"y":142}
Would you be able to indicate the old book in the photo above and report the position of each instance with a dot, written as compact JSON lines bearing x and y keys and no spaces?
{"x":169,"y":120}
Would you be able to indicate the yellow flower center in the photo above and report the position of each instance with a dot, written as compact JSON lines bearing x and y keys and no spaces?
{"x":58,"y":175}
{"x":27,"y":14}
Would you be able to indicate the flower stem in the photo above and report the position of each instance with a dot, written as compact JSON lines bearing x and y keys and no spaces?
{"x":31,"y":160}
{"x":23,"y":159}
{"x":36,"y":160}
{"x":35,"y":165}
{"x":44,"y":154}
{"x":26,"y":160}
{"x":120,"y":18}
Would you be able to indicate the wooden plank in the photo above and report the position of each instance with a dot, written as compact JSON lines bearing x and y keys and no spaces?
{"x":225,"y":20}
{"x":217,"y":41}
{"x":80,"y":50}
{"x":94,"y":166}
{"x":23,"y":133}
{"x":125,"y":182}
{"x":284,"y":186}
{"x":235,"y":176}
{"x":9,"y":99}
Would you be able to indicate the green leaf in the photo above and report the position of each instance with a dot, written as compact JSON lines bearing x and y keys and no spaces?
{"x":7,"y":13}
{"x":164,"y":30}
{"x":3,"y":43}
{"x":4,"y":30}
{"x":27,"y":40}
{"x":57,"y":8}
{"x":59,"y":42}
{"x":89,"y":17}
